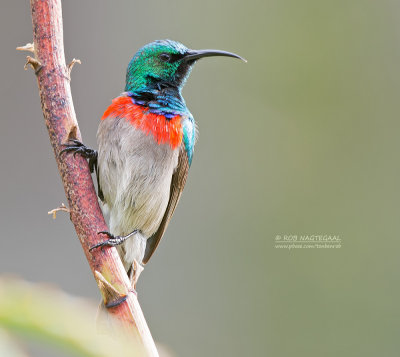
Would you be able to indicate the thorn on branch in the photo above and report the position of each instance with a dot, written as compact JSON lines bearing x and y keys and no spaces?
{"x":28,"y":47}
{"x":71,"y":65}
{"x":34,"y":63}
{"x":58,"y":209}
{"x":111,"y":296}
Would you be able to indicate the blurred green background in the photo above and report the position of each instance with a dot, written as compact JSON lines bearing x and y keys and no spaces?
{"x":300,"y":140}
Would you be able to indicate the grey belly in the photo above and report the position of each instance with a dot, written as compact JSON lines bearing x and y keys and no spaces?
{"x":135,"y":177}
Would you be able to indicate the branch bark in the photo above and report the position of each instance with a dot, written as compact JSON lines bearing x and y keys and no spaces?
{"x":53,"y":76}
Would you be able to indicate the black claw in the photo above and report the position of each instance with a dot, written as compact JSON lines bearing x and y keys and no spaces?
{"x":102,"y":232}
{"x":113,"y":241}
{"x":77,"y":142}
{"x":102,"y":244}
{"x":77,"y":147}
{"x":68,"y":149}
{"x":94,"y":247}
{"x":106,"y":233}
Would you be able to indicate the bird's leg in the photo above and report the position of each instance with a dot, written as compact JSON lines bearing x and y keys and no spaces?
{"x":112,"y":241}
{"x":77,"y":147}
{"x":134,"y":273}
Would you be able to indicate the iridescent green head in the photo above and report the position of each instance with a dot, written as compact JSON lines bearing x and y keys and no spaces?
{"x":164,"y":63}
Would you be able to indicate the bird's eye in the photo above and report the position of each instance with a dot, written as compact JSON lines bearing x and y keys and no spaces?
{"x":165,"y":57}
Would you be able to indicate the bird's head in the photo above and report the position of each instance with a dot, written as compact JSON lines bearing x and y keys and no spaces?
{"x":164,"y":63}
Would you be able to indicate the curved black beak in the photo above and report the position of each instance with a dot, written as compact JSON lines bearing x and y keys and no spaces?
{"x":192,"y":55}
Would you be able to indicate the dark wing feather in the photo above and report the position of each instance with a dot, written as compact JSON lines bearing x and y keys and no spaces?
{"x":177,"y":184}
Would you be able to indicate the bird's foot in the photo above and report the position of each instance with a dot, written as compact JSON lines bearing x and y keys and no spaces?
{"x":77,"y":147}
{"x":112,"y":241}
{"x":134,"y":273}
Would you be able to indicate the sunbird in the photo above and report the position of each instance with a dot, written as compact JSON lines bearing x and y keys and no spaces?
{"x":145,"y":140}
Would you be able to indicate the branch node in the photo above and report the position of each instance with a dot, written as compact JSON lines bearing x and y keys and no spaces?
{"x":71,"y":65}
{"x":111,"y":296}
{"x":28,"y":47}
{"x":63,"y":208}
{"x":34,"y":63}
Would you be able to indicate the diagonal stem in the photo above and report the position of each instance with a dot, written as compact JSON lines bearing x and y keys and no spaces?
{"x":53,"y":76}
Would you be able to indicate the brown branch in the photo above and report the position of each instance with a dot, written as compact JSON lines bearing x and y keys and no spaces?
{"x":53,"y":76}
